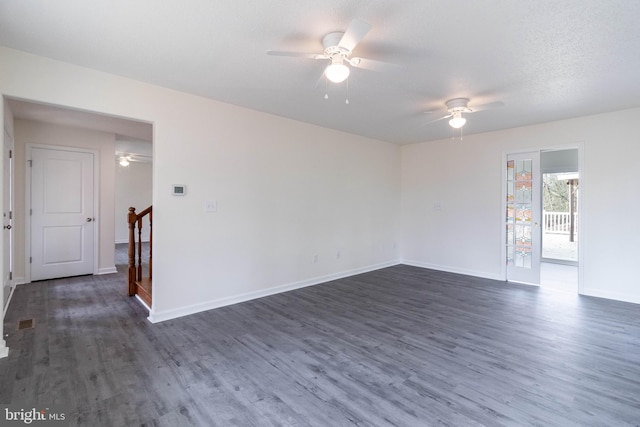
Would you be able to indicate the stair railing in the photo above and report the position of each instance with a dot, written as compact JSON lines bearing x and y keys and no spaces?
{"x":135,"y":252}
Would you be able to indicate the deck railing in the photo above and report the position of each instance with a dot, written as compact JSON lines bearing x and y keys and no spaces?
{"x":559,"y":222}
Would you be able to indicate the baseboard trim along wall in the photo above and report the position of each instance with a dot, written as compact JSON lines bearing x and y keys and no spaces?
{"x":448,"y":269}
{"x":16,"y":282}
{"x":144,"y":304}
{"x":156,"y":317}
{"x":6,"y":306}
{"x":107,"y":270}
{"x":589,"y":292}
{"x":4,"y":350}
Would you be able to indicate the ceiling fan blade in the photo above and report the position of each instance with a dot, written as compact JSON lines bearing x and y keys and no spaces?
{"x":297,"y":54}
{"x":372,"y":65}
{"x":490,"y":105}
{"x":321,"y":79}
{"x":437,"y":120}
{"x":356,"y":32}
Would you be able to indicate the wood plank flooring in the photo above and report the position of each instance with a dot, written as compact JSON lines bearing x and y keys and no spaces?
{"x":402,"y":346}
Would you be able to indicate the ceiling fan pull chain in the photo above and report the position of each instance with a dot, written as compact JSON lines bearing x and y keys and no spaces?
{"x":326,"y":86}
{"x":346,"y":101}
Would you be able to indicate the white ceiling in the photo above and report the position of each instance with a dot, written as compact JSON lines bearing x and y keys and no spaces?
{"x":126,"y":128}
{"x":546,"y":59}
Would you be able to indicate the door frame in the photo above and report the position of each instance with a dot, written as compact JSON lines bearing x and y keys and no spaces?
{"x":27,"y":201}
{"x":10,"y":186}
{"x":503,"y":205}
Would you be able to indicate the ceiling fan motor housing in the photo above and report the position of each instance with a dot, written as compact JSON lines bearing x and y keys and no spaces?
{"x":458,"y":105}
{"x":330,"y":43}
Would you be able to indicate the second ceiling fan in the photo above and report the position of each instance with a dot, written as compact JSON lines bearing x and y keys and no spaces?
{"x":458,"y":106}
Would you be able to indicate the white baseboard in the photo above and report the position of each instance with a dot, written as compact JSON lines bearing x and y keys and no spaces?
{"x":599,"y":293}
{"x":106,"y":270}
{"x":6,"y":306}
{"x":161,"y":316}
{"x":518,"y":282}
{"x":144,"y":304}
{"x":449,"y":269}
{"x":4,"y":350}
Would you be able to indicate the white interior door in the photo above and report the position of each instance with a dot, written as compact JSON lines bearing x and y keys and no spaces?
{"x":7,"y":217}
{"x":62,"y":213}
{"x":523,"y":218}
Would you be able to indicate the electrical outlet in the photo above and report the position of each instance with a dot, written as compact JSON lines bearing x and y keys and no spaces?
{"x":315,"y":259}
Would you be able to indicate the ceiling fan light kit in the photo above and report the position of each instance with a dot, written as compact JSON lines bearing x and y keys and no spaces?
{"x":457,"y":121}
{"x":337,"y":72}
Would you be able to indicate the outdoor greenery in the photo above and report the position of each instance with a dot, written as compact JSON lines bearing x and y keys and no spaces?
{"x":556,"y":193}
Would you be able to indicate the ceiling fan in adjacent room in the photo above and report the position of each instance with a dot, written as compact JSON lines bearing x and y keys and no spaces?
{"x":338,"y":47}
{"x":457,"y":107}
{"x":125,"y":159}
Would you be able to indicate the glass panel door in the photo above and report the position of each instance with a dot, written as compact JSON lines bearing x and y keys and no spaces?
{"x":523,"y":218}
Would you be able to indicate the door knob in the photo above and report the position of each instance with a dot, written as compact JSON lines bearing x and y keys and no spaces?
{"x":7,"y":227}
{"x":89,"y":219}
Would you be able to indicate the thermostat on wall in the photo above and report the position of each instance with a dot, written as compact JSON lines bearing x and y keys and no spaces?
{"x":179,"y":190}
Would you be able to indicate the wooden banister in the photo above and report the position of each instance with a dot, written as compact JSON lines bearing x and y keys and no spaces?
{"x":139,"y":285}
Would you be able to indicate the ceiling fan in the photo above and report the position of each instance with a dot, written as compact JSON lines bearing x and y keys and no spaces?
{"x":338,"y":47}
{"x":124,"y":159}
{"x":459,"y":106}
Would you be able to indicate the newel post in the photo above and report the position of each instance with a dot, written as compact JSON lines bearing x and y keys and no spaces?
{"x":131,"y":220}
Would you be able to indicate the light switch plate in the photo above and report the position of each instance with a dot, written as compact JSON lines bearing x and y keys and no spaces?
{"x":211,"y":206}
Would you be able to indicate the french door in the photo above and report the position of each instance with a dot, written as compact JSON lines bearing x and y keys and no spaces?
{"x":523,"y":218}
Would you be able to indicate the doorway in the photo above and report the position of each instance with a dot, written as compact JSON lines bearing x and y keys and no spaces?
{"x":51,"y":125}
{"x":541,"y":228}
{"x":560,"y":231}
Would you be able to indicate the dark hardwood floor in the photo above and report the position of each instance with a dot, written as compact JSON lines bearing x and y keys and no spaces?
{"x":400,"y":346}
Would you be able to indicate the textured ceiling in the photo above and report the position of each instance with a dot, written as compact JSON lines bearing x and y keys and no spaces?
{"x":546,"y":60}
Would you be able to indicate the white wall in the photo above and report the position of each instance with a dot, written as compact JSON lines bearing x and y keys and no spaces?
{"x":32,"y":132}
{"x":286,"y":191}
{"x":465,"y":177}
{"x":559,"y":161}
{"x":133,"y":188}
{"x":8,"y":118}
